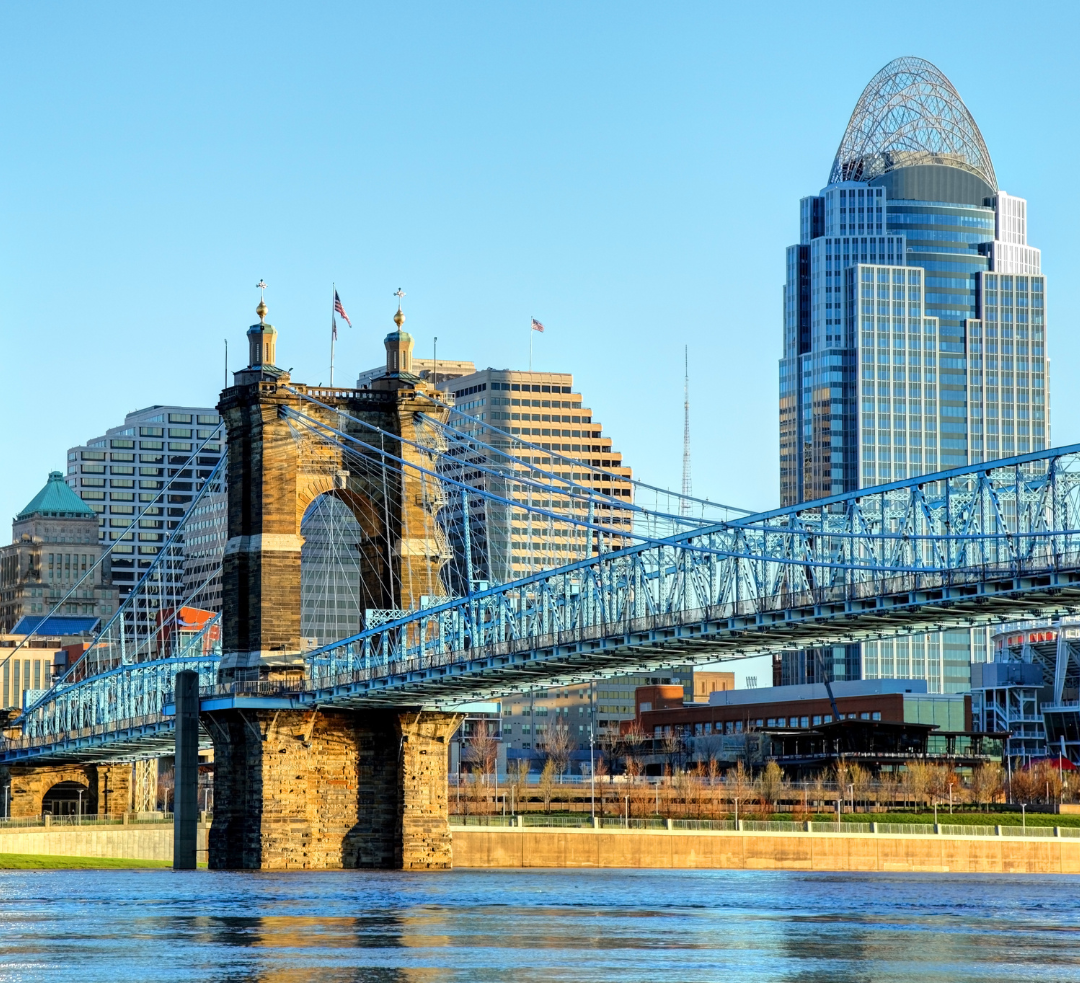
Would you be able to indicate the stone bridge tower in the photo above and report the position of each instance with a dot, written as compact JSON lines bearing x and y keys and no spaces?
{"x":301,"y":788}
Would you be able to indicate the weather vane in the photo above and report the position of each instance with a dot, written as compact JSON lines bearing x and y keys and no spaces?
{"x":399,"y":293}
{"x":261,"y":287}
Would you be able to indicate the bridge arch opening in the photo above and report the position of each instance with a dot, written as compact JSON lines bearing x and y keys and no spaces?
{"x":64,"y":799}
{"x":332,"y":593}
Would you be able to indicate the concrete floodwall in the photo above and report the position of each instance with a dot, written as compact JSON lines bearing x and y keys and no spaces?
{"x":136,"y":842}
{"x":553,"y":847}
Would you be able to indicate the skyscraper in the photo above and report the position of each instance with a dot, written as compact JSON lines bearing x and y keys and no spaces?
{"x":914,"y":325}
{"x":123,"y":472}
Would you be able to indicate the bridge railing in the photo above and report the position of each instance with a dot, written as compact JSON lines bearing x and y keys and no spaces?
{"x":398,"y":649}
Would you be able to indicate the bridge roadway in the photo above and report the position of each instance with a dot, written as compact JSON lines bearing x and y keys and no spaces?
{"x":635,"y":644}
{"x":985,"y":544}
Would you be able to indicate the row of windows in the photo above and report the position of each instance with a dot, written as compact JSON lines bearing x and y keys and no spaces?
{"x":736,"y":726}
{"x":512,"y":387}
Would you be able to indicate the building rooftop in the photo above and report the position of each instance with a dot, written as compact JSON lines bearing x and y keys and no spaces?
{"x":816,"y":691}
{"x":56,"y":499}
{"x":910,"y":114}
{"x":56,"y":626}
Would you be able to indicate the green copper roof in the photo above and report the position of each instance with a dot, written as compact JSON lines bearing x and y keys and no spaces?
{"x":56,"y":498}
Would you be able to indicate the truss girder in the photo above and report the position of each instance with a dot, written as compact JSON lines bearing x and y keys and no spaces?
{"x":985,"y":544}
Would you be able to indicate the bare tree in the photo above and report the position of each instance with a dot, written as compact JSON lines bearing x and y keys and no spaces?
{"x":558,"y":748}
{"x":770,"y":784}
{"x":519,"y":781}
{"x":483,"y":748}
{"x":547,"y":783}
{"x":860,"y":779}
{"x":631,"y":739}
{"x":918,"y":781}
{"x":738,"y":784}
{"x":672,"y":747}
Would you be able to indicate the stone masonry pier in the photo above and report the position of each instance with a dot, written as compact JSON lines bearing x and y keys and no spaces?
{"x":330,"y":789}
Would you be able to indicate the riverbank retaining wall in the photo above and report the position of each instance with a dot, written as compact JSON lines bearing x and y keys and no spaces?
{"x":689,"y":850}
{"x":616,"y":848}
{"x":141,"y":842}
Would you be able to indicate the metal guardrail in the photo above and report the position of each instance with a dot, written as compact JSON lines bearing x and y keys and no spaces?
{"x":131,"y":819}
{"x":541,"y":821}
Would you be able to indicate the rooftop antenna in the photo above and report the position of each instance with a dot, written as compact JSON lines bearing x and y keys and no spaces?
{"x":687,"y":484}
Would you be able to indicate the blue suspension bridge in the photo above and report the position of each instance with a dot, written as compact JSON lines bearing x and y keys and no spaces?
{"x":618,"y":585}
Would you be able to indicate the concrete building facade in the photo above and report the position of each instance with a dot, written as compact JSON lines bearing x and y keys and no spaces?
{"x":122,"y":472}
{"x":54,"y":546}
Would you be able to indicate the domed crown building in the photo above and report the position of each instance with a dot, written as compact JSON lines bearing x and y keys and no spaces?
{"x":914,"y":309}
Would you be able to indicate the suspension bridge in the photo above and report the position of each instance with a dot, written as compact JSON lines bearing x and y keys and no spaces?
{"x":388,"y":557}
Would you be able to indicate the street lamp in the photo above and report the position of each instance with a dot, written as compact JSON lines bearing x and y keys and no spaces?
{"x":592,"y":773}
{"x":80,"y":806}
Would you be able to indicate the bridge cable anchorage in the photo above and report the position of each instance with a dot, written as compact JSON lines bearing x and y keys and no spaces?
{"x":215,"y":436}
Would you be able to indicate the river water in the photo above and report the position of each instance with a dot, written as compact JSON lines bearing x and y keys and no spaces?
{"x":544,"y":926}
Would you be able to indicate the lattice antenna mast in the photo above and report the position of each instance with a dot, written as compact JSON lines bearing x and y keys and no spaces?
{"x":687,"y":483}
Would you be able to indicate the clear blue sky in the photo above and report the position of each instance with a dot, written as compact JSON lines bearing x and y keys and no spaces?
{"x":627,"y":173}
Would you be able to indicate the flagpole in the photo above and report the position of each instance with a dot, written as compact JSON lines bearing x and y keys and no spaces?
{"x":333,"y":333}
{"x":530,"y":345}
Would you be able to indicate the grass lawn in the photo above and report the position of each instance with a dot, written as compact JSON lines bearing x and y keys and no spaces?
{"x":33,"y":861}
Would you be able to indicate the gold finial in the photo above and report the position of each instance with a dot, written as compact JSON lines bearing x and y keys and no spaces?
{"x":262,"y":309}
{"x":399,"y":318}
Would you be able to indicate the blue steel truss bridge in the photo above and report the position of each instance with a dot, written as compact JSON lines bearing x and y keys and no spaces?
{"x":618,"y":585}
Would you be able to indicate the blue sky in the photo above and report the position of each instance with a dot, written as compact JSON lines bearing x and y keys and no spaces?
{"x":627,"y":173}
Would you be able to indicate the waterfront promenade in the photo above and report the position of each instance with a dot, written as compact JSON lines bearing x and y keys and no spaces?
{"x":680,"y":845}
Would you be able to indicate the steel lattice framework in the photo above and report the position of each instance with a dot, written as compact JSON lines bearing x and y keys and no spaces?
{"x":989,"y":543}
{"x":910,"y":113}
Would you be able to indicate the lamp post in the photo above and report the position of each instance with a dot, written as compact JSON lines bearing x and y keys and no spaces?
{"x":592,"y":773}
{"x":80,"y":806}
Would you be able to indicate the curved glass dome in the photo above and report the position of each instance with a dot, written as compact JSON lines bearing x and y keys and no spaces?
{"x":910,"y":114}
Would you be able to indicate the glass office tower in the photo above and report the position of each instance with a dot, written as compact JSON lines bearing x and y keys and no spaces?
{"x":914,"y":329}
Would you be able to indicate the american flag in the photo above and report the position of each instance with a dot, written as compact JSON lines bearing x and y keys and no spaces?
{"x":537,"y":326}
{"x":339,"y":309}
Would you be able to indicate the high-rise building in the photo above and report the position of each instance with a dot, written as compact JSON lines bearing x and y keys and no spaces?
{"x":206,"y":532}
{"x":541,"y":409}
{"x":914,"y":329}
{"x":122,"y":472}
{"x":54,"y":549}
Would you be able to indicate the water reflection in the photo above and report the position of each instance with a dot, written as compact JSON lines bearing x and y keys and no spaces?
{"x":550,"y":926}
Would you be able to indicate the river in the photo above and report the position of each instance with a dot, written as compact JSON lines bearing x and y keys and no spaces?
{"x":543,"y":926}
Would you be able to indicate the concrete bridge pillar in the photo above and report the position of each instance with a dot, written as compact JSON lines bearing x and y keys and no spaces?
{"x":327,"y":789}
